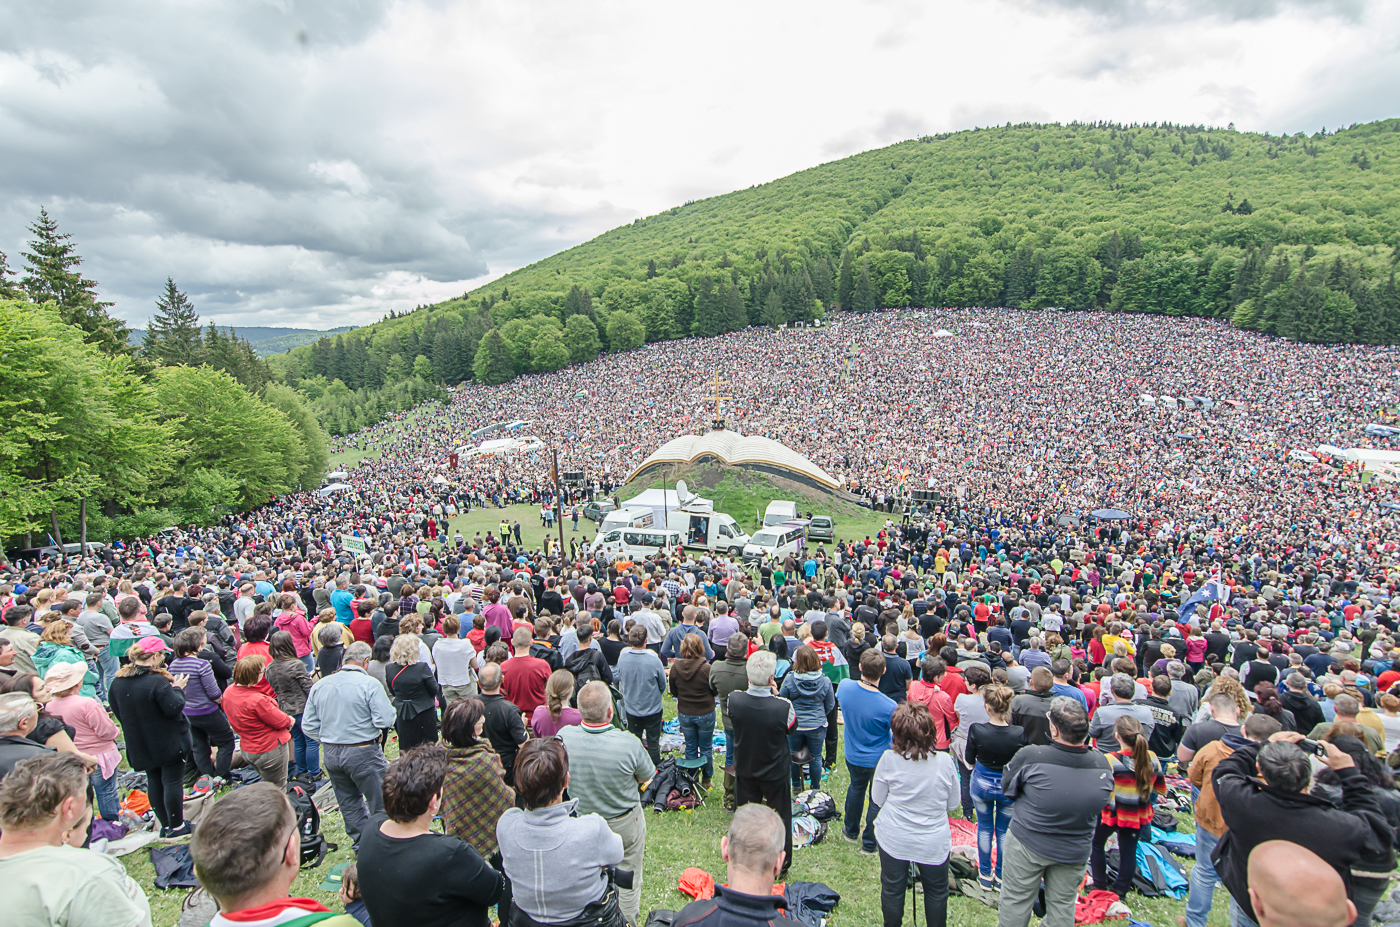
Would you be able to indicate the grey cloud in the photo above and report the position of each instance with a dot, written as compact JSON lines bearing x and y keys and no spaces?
{"x":244,"y":152}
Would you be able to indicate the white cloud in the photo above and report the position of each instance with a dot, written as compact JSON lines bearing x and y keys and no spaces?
{"x":320,"y":163}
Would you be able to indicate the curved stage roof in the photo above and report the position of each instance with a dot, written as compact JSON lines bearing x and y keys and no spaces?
{"x":736,"y":450}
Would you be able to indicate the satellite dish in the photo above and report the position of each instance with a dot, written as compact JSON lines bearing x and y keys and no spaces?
{"x":682,"y":492}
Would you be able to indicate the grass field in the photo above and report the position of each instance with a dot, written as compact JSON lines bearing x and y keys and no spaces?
{"x":678,"y":840}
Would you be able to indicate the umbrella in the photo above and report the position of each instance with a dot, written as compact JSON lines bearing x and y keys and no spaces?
{"x":1391,"y":506}
{"x":1067,"y":520}
{"x":1110,"y":514}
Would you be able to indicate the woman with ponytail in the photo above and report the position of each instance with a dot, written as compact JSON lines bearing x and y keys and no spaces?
{"x":555,"y":713}
{"x":1136,"y":777}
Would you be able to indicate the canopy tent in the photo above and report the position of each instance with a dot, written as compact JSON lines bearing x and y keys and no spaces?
{"x":440,"y":480}
{"x":943,"y":333}
{"x":1377,"y":430}
{"x":337,"y":475}
{"x":1302,"y":456}
{"x":1110,"y":514}
{"x":332,"y":488}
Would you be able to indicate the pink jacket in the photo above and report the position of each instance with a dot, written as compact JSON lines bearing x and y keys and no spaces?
{"x":295,"y":624}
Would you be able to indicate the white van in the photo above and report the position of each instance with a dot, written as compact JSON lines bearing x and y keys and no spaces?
{"x":639,"y":516}
{"x":776,"y":541}
{"x":778,"y":512}
{"x":636,"y":543}
{"x":712,"y":531}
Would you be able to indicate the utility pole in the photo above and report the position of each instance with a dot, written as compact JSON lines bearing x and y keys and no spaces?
{"x":558,"y":503}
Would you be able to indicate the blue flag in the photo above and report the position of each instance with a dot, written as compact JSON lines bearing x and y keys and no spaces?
{"x":1213,"y":591}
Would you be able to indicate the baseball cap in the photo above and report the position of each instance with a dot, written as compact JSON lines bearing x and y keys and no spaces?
{"x":151,"y":645}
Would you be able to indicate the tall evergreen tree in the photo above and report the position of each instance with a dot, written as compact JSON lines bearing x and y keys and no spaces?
{"x":709,"y":309}
{"x":52,"y":264}
{"x":863,"y":299}
{"x":493,"y":362}
{"x":736,"y":316}
{"x":773,"y":314}
{"x":173,"y":334}
{"x":846,"y":284}
{"x":9,"y":288}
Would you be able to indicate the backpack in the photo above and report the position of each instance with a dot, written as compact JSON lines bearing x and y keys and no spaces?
{"x":314,"y":845}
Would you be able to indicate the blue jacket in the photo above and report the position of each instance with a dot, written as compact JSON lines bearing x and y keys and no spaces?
{"x":812,"y":698}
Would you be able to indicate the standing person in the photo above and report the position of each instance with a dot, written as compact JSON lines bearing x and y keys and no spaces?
{"x":1124,"y":691}
{"x":866,"y":712}
{"x":555,"y":714}
{"x":247,"y":854}
{"x":93,"y":732}
{"x":689,"y":677}
{"x":293,"y":621}
{"x":728,"y":676}
{"x":1210,"y":826}
{"x":263,"y":729}
{"x":1136,"y":776}
{"x":456,"y":662}
{"x":209,"y":728}
{"x":1031,"y":709}
{"x":915,"y":787}
{"x":762,"y":763}
{"x":607,"y":768}
{"x":1059,"y":790}
{"x":990,"y":746}
{"x":474,"y":794}
{"x":504,"y":726}
{"x":1280,"y":808}
{"x":812,"y":696}
{"x":523,"y":677}
{"x":970,"y":709}
{"x":346,"y":714}
{"x":642,"y":680}
{"x":411,"y":876}
{"x":753,"y":854}
{"x":291,"y":684}
{"x":416,"y":688}
{"x":556,"y":861}
{"x":149,"y":704}
{"x":48,"y":877}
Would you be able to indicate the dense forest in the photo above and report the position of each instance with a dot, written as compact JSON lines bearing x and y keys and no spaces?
{"x":1294,"y":236}
{"x":103,"y":440}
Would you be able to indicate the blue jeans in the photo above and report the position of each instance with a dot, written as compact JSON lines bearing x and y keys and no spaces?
{"x":815,"y":739}
{"x":729,"y":748}
{"x":109,"y":803}
{"x":861,"y":777}
{"x":306,"y":753}
{"x":699,"y":733}
{"x":1203,"y":880}
{"x":993,"y":816}
{"x":107,"y":666}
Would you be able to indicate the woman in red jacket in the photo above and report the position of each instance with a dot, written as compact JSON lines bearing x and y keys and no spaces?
{"x":263,"y":729}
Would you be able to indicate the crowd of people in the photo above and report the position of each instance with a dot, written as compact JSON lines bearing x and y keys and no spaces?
{"x":982,"y":656}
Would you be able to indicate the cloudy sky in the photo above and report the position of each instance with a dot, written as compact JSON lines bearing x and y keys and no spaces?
{"x":317,"y":163}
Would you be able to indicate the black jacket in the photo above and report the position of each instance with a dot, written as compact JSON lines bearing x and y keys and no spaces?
{"x":1031,"y":710}
{"x":152,"y":715}
{"x":504,"y":729}
{"x":1167,"y":731}
{"x":15,"y":749}
{"x":1306,"y":711}
{"x":1256,"y":812}
{"x":735,"y":909}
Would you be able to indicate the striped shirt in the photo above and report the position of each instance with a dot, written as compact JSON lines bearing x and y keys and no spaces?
{"x":1129,"y":807}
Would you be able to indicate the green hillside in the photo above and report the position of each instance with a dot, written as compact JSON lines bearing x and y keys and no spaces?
{"x":1296,"y":236}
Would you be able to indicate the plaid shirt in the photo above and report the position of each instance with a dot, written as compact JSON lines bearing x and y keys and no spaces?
{"x":474,"y":796}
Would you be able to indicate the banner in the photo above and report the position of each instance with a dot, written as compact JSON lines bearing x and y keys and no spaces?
{"x":351,"y":543}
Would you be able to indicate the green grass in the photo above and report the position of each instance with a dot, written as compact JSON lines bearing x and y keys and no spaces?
{"x":678,"y":840}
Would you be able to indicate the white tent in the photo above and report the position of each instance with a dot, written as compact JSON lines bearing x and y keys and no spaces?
{"x":943,"y":333}
{"x":337,"y":475}
{"x":440,"y":480}
{"x":332,"y":488}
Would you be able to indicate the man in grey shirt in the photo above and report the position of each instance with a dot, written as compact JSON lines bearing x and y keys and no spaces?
{"x":1124,"y":689}
{"x":95,"y":624}
{"x":1059,"y":790}
{"x":1184,"y":699}
{"x":642,"y":679}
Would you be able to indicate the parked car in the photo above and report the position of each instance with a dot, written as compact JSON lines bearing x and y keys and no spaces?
{"x":596,"y":511}
{"x":821,"y":528}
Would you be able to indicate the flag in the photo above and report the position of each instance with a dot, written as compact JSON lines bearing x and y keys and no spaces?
{"x":1213,"y":591}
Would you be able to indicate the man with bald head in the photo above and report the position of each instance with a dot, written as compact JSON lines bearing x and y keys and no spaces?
{"x":1291,"y":886}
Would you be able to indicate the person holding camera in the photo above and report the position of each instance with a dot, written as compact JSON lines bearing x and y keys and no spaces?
{"x":1263,"y":795}
{"x":558,"y":862}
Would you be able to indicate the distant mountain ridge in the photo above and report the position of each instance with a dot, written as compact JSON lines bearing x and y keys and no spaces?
{"x":266,"y":340}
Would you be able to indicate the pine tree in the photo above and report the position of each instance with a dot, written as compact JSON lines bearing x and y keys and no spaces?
{"x":53,"y":277}
{"x":651,"y":269}
{"x":773,"y":314}
{"x":736,"y":316}
{"x":846,"y":285}
{"x":709,"y":309}
{"x":863,"y":299}
{"x":573,"y":302}
{"x":173,"y":334}
{"x":493,"y":362}
{"x":9,"y":289}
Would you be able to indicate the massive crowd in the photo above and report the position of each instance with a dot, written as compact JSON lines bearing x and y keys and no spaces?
{"x":1228,"y":647}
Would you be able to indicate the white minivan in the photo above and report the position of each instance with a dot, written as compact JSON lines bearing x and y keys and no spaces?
{"x":636,"y":543}
{"x":779,"y":511}
{"x":776,"y":542}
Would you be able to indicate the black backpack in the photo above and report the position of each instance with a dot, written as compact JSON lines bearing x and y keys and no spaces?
{"x":585,"y":669}
{"x":314,"y":845}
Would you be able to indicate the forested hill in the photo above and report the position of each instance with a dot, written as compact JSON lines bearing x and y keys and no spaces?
{"x":1296,"y":236}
